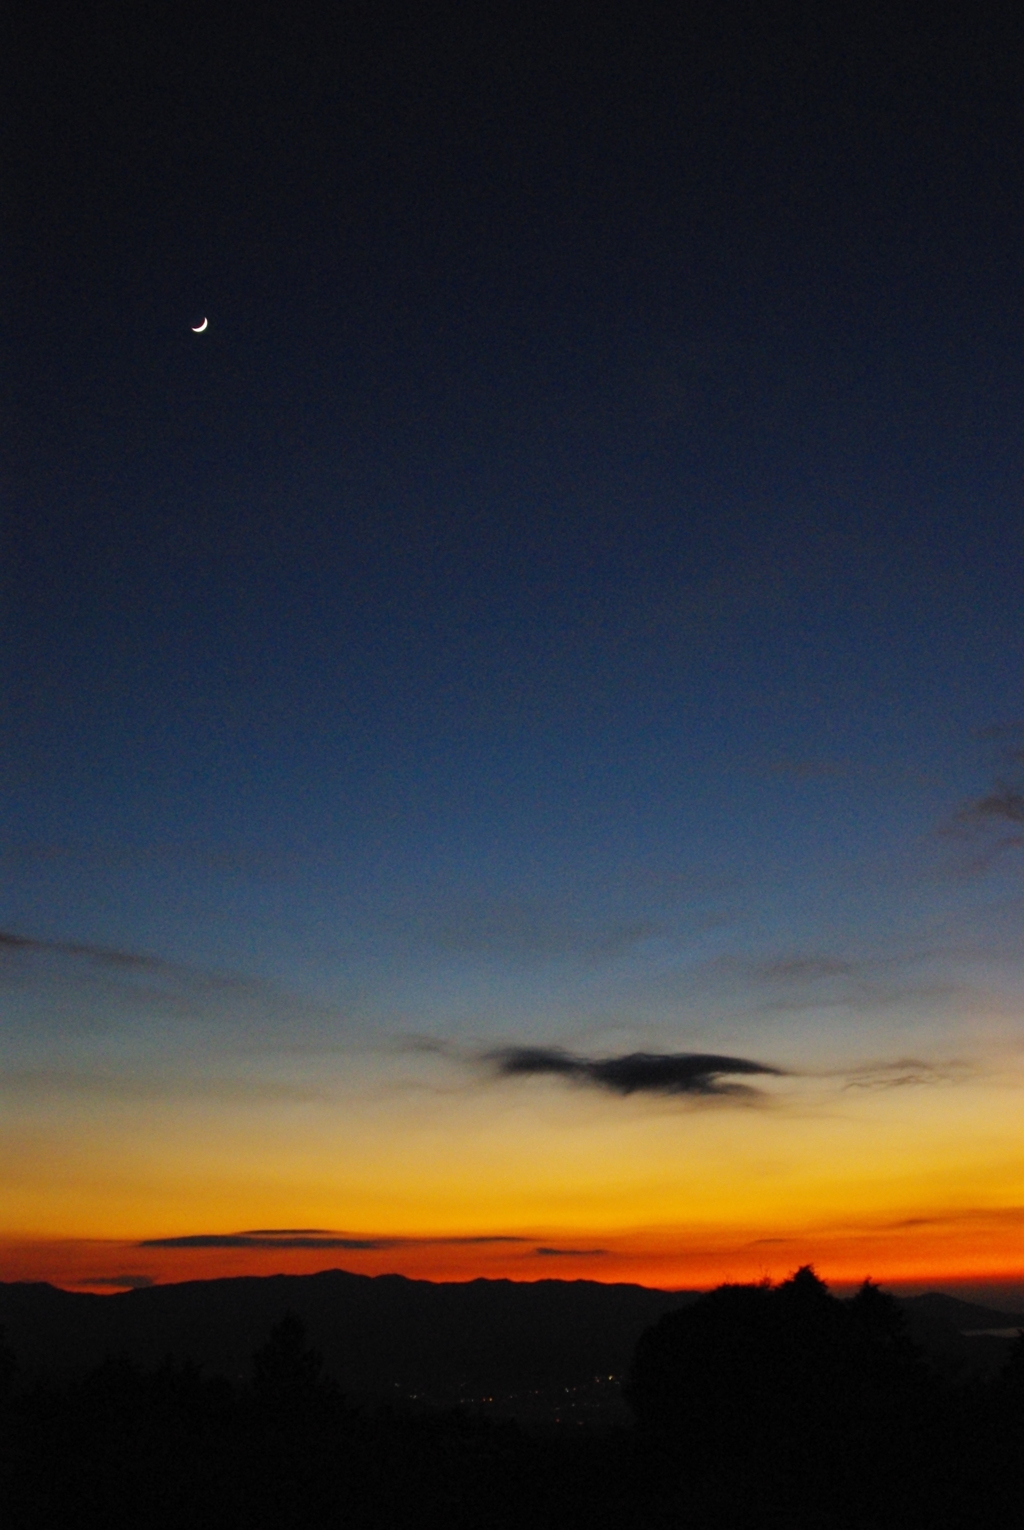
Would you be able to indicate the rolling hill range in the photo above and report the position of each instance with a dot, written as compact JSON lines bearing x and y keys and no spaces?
{"x":380,"y":1337}
{"x":536,"y":1349}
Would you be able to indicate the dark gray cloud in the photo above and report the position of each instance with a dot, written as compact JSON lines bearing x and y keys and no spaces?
{"x":705,"y":1074}
{"x":120,"y":1282}
{"x":570,"y":1253}
{"x":993,"y":823}
{"x":311,"y":1237}
{"x":480,"y":1238}
{"x":988,"y":827}
{"x":264,"y":1240}
{"x":690,"y":1073}
{"x":287,"y":1232}
{"x":1004,"y":804}
{"x":915,"y":1222}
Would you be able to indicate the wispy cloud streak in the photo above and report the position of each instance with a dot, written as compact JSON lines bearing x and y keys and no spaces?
{"x":90,"y":986}
{"x":903,"y":1072}
{"x":994,"y":822}
{"x":107,"y":955}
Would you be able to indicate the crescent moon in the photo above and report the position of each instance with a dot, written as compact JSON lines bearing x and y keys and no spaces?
{"x":197,"y":329}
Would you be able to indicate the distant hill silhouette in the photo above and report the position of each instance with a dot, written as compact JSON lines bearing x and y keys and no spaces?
{"x":387,"y":1337}
{"x":966,"y":1317}
{"x":380,"y":1336}
{"x":961,"y":1339}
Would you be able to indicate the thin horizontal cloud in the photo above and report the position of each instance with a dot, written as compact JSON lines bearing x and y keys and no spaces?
{"x":132,"y":961}
{"x":107,"y":955}
{"x":288,"y":1232}
{"x":673,"y":1073}
{"x":802,"y":968}
{"x":313,"y":1238}
{"x":84,"y":987}
{"x":904,"y":1072}
{"x":789,"y":982}
{"x":798,"y":981}
{"x":120,"y":960}
{"x":570,"y":1253}
{"x":119,"y":1282}
{"x":258,"y":1241}
{"x":916,"y":1222}
{"x":481,"y":1238}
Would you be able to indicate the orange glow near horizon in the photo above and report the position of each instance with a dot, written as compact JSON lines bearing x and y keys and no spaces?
{"x":916,"y":1185}
{"x":982,"y":1249}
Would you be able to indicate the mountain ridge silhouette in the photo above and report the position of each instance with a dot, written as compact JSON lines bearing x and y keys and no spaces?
{"x":390,"y":1337}
{"x":380,"y":1336}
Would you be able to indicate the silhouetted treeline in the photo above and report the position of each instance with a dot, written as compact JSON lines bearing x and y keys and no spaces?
{"x":781,"y":1405}
{"x":756,"y":1406}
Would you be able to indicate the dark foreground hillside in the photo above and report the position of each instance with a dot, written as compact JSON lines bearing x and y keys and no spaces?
{"x":755,"y":1407}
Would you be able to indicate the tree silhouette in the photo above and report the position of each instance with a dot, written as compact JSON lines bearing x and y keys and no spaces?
{"x":1011,"y":1380}
{"x":284,"y":1370}
{"x":786,"y":1403}
{"x":8,"y":1367}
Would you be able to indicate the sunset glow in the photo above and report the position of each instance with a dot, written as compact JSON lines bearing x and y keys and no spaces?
{"x":902,"y":1181}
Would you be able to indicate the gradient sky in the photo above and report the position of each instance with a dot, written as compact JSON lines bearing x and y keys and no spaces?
{"x":567,"y":605}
